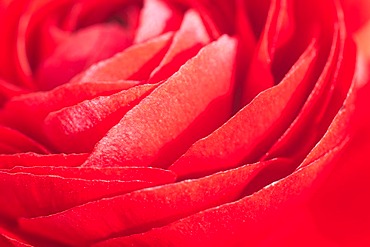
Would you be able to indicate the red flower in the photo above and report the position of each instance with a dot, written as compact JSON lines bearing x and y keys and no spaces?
{"x":183,"y":123}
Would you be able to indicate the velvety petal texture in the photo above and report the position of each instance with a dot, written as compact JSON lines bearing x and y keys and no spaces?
{"x":184,"y":123}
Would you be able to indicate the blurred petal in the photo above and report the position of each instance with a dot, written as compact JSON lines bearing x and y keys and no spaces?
{"x":136,"y":62}
{"x":13,"y":141}
{"x":357,"y":13}
{"x":156,"y":18}
{"x":75,"y":54}
{"x":8,"y":90}
{"x":278,"y":28}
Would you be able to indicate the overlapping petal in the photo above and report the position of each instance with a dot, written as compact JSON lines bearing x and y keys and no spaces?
{"x":186,"y":123}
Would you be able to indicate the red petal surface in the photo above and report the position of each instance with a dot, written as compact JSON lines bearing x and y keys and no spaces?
{"x":156,"y":18}
{"x":48,"y":193}
{"x":41,"y":31}
{"x":10,"y":61}
{"x":357,"y":13}
{"x":341,"y":205}
{"x":218,"y":16}
{"x":11,"y":236}
{"x":76,"y":54}
{"x":314,"y":193}
{"x":79,"y":127}
{"x":141,"y":210}
{"x":12,"y":141}
{"x":322,"y":105}
{"x":54,"y":24}
{"x":311,"y":104}
{"x":246,"y":47}
{"x":87,"y":13}
{"x":140,"y":139}
{"x":136,"y":62}
{"x":9,"y":239}
{"x":187,"y":42}
{"x":33,"y":159}
{"x":8,"y":90}
{"x":148,"y":174}
{"x":242,"y":136}
{"x":249,"y":221}
{"x":278,"y":28}
{"x":36,"y":106}
{"x":337,"y":132}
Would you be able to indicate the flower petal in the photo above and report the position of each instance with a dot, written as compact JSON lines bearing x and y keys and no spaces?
{"x":148,"y":174}
{"x":12,"y":141}
{"x":31,"y":194}
{"x":79,"y":127}
{"x":249,"y":220}
{"x":278,"y":28}
{"x":323,"y":104}
{"x":8,"y":161}
{"x":11,"y":63}
{"x":136,"y":62}
{"x":8,"y":238}
{"x":36,"y":106}
{"x":76,"y":54}
{"x":8,"y":90}
{"x":247,"y":132}
{"x":337,"y":132}
{"x":187,"y":42}
{"x":156,"y":18}
{"x":141,"y":139}
{"x":141,"y":210}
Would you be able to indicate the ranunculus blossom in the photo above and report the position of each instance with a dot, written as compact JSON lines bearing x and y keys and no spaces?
{"x":184,"y":123}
